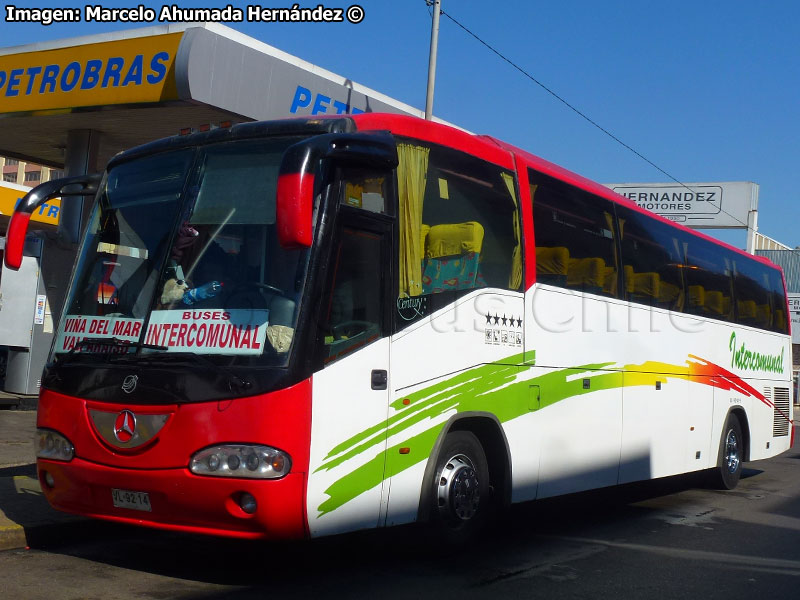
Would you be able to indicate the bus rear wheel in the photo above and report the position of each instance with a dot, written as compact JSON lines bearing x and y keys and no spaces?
{"x":731,"y":454}
{"x":460,"y":488}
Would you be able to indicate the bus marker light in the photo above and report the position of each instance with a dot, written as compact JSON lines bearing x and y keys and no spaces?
{"x":406,"y":401}
{"x":278,"y":463}
{"x":405,"y":450}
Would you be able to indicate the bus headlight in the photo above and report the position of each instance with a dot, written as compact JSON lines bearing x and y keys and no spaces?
{"x":248,"y":461}
{"x":53,"y":446}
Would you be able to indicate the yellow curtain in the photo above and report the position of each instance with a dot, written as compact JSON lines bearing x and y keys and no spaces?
{"x":412,"y":173}
{"x":515,"y":279}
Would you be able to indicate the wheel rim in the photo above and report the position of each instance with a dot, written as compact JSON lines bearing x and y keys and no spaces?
{"x":458,"y":490}
{"x":732,"y":459}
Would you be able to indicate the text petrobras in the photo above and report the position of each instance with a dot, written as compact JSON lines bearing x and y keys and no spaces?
{"x":170,"y":13}
{"x":114,"y":71}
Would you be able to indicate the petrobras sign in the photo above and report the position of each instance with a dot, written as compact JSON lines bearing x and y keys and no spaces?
{"x":10,"y":196}
{"x":138,"y":70}
{"x":306,"y":101}
{"x":698,"y":205}
{"x":794,"y":313}
{"x":269,"y":83}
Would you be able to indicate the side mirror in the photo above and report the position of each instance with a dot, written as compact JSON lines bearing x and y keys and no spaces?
{"x":295,"y":193}
{"x":81,"y":185}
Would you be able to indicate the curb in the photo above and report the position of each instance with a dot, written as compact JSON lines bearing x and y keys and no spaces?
{"x":12,"y":534}
{"x":12,"y":537}
{"x":25,"y":515}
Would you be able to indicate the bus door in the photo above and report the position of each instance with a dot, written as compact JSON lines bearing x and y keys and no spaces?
{"x":351,"y":388}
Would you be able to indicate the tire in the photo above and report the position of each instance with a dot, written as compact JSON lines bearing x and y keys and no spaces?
{"x":731,"y":455}
{"x":460,"y":489}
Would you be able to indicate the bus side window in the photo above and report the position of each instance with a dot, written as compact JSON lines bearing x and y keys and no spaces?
{"x":459,"y":226}
{"x":575,"y":237}
{"x":709,"y":280}
{"x":365,"y":189}
{"x":652,"y":255}
{"x":754,"y":297}
{"x":779,"y":316}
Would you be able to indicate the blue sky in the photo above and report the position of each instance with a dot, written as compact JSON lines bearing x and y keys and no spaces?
{"x":708,"y":91}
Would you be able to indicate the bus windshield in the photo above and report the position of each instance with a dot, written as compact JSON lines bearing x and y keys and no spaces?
{"x":182,"y":255}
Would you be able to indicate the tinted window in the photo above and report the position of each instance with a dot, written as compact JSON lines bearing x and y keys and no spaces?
{"x":779,"y":316}
{"x":760,"y":297}
{"x":708,"y":279}
{"x":652,"y":259}
{"x":575,"y":239}
{"x":753,"y":296}
{"x":366,"y":189}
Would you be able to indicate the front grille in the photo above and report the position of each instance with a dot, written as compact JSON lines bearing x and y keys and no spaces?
{"x":780,"y":421}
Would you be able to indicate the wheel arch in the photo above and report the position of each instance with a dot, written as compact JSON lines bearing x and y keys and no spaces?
{"x":487,"y":428}
{"x":740,"y":414}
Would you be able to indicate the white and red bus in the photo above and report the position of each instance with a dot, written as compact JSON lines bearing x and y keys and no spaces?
{"x":297,"y":328}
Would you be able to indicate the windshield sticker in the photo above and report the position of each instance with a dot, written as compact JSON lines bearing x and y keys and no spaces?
{"x":209,"y":331}
{"x":79,"y":327}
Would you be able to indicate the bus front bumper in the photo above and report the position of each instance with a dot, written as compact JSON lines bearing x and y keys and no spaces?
{"x":178,"y":500}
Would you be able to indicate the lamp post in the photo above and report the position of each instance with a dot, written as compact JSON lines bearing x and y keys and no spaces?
{"x":432,"y":59}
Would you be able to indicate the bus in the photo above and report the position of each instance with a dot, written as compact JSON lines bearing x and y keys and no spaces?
{"x":305,"y":327}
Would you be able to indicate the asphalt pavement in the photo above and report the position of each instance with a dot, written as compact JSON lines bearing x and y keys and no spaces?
{"x":25,"y":515}
{"x":24,"y":512}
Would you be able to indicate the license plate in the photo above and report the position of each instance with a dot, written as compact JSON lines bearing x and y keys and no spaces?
{"x":131,"y":500}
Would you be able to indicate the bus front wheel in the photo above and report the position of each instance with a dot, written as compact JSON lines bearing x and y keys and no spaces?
{"x":460,"y":487}
{"x":731,"y":454}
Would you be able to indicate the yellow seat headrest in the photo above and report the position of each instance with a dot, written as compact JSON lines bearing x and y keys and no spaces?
{"x":454,"y":239}
{"x":552,"y":261}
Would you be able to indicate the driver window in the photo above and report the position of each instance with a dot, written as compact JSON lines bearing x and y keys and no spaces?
{"x":352,"y":314}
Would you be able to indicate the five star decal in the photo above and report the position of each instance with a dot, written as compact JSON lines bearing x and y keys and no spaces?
{"x":503,"y":329}
{"x":505,"y":320}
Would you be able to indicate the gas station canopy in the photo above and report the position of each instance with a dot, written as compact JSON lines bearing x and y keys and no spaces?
{"x":134,"y":86}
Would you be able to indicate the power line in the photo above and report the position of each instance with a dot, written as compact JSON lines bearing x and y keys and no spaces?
{"x":571,"y":107}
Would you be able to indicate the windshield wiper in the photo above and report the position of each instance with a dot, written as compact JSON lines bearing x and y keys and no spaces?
{"x":233,"y":378}
{"x":161,"y":355}
{"x":112,"y":342}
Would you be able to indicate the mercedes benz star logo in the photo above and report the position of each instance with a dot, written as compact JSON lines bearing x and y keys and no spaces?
{"x":130,"y":383}
{"x":125,"y":426}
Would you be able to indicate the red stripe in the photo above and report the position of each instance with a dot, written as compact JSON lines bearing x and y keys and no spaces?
{"x":721,"y":378}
